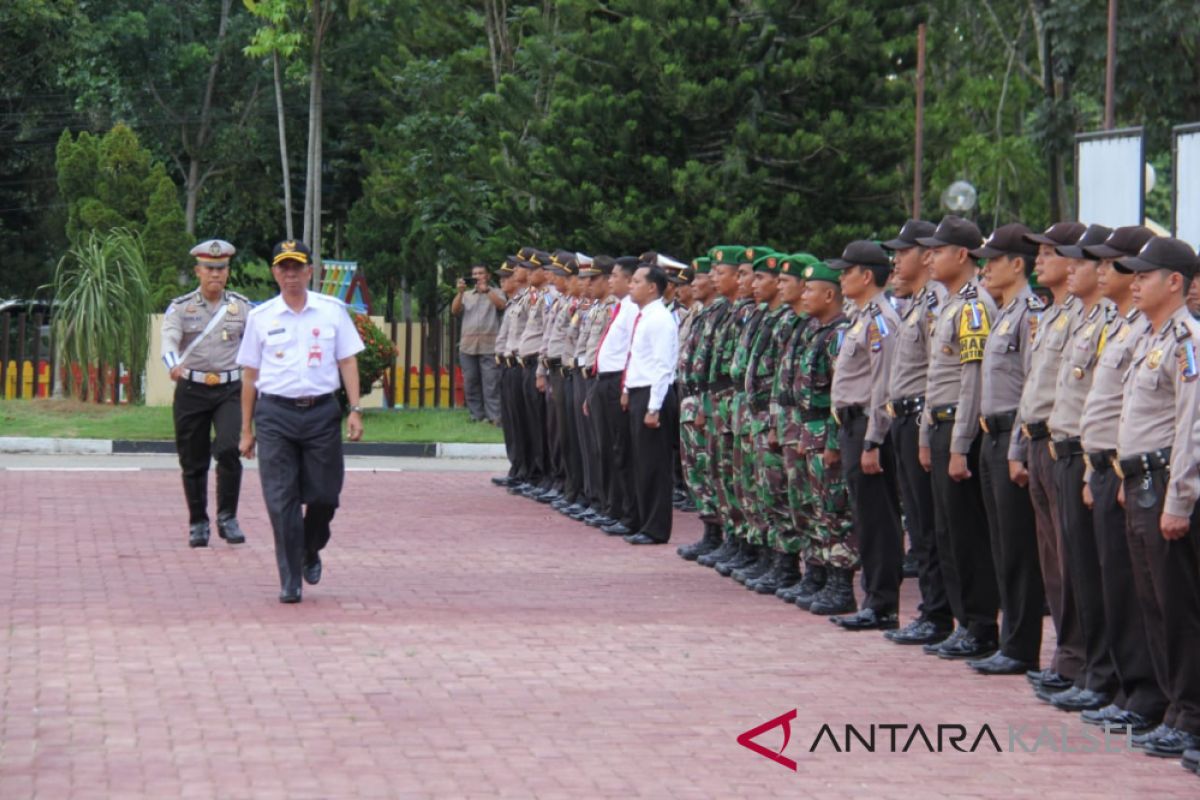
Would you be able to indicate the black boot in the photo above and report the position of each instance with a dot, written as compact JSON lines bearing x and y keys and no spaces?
{"x":785,"y":573}
{"x":229,"y":530}
{"x":838,"y":595}
{"x":814,"y":580}
{"x":198,"y":534}
{"x":710,"y":541}
{"x":727,"y":548}
{"x":759,"y":567}
{"x":743,"y":557}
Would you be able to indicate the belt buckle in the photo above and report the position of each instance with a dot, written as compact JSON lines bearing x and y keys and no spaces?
{"x":891,"y":409}
{"x":1116,"y":465}
{"x":1053,"y":452}
{"x":211,"y":378}
{"x":303,"y":402}
{"x":983,"y":424}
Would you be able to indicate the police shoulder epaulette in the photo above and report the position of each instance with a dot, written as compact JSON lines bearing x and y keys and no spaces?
{"x":931,"y":299}
{"x":1034,"y":303}
{"x":1069,"y":303}
{"x":1132,"y":315}
{"x":969,"y":291}
{"x":184,"y":298}
{"x":879,"y":319}
{"x":238,"y":296}
{"x":1110,"y":313}
{"x":1183,"y":332}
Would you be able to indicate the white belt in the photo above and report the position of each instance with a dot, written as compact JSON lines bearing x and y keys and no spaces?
{"x":213,"y":378}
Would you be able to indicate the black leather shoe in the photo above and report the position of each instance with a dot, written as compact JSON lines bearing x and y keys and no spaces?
{"x":967,"y":647}
{"x":868,"y":619}
{"x":1048,"y":695}
{"x":919,"y":631}
{"x":933,"y":648}
{"x":1101,"y":716}
{"x":502,"y":480}
{"x":289,"y":596}
{"x":198,"y":534}
{"x":573,"y":509}
{"x":999,"y":664}
{"x":559,"y":503}
{"x":1049,"y":679}
{"x":601,"y":522}
{"x":811,"y":583}
{"x":838,"y":595}
{"x":1144,"y":739}
{"x":616,"y":529}
{"x":641,"y":538}
{"x":549,"y":497}
{"x":909,"y":565}
{"x":1191,"y":760}
{"x":517,"y":488}
{"x":1173,"y":744}
{"x":312,"y":569}
{"x":229,"y":530}
{"x":1083,"y":700}
{"x":1128,"y":722}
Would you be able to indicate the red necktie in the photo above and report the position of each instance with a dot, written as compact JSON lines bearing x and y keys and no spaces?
{"x":603,"y":336}
{"x":629,"y":355}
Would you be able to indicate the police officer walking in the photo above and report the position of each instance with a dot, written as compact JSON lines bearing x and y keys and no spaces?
{"x":200,"y":337}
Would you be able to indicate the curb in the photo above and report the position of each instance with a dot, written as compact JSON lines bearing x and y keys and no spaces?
{"x":48,"y":446}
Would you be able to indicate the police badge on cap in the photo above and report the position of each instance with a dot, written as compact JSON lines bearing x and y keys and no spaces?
{"x":213,"y":253}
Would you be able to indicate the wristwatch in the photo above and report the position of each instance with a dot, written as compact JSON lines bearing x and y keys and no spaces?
{"x":869,"y":445}
{"x":355,"y":409}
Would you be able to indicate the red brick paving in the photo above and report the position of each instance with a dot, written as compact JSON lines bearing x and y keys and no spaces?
{"x":464,"y":643}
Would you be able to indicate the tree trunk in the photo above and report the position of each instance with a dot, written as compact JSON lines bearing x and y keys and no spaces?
{"x":192,"y":193}
{"x":283,"y":151}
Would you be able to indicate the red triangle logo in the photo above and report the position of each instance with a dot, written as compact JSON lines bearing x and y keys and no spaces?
{"x":785,"y":721}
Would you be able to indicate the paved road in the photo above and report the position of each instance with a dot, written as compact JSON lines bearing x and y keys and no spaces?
{"x":463,"y":643}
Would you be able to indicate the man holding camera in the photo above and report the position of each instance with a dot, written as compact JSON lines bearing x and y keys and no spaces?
{"x":480,"y":307}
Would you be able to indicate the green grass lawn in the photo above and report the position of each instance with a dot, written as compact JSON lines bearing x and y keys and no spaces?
{"x":70,"y":419}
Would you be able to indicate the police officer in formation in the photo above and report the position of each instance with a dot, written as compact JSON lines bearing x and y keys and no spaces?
{"x":1037,"y":453}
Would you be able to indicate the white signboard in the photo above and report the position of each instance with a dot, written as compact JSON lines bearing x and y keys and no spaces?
{"x":1110,"y":176}
{"x":1187,"y":184}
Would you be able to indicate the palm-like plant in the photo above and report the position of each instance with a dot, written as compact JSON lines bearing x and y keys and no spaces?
{"x":102,"y":309}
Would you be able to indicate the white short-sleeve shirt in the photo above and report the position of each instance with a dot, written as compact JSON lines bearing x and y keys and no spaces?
{"x":296,"y":353}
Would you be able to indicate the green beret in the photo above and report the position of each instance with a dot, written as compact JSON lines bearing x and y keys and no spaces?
{"x":795,"y":264}
{"x":768,"y":263}
{"x":820,"y":271}
{"x":726,"y":254}
{"x":753,"y":254}
{"x":702,"y":265}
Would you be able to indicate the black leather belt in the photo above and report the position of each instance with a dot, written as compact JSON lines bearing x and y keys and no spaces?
{"x":567,"y":371}
{"x":614,"y":374}
{"x":906,"y":406}
{"x":1035,"y":430}
{"x":298,"y":402}
{"x":551,"y":363}
{"x":943,"y":413}
{"x":1100,"y":460}
{"x":1136,"y":466}
{"x":847,"y":414}
{"x":527,"y":361}
{"x":1065,"y":448}
{"x":997,"y":423}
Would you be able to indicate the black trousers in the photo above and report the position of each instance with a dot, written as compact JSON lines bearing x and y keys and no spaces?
{"x":534,"y":403}
{"x":1137,"y":688}
{"x":963,"y":542}
{"x":916,"y":498}
{"x":512,"y":388}
{"x":300,"y":464}
{"x":555,"y":443}
{"x":198,"y":411}
{"x":562,"y":448}
{"x":875,"y":501}
{"x":1166,"y":576}
{"x":1043,"y":493}
{"x":650,"y":455}
{"x":612,"y":433}
{"x":1014,"y":551}
{"x":1082,"y":558}
{"x":586,"y":435}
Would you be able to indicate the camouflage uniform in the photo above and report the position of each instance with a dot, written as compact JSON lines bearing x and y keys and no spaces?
{"x":795,"y":513}
{"x":693,"y":441}
{"x":707,"y":480}
{"x":831,"y":545}
{"x":766,"y":479}
{"x":726,"y":412}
